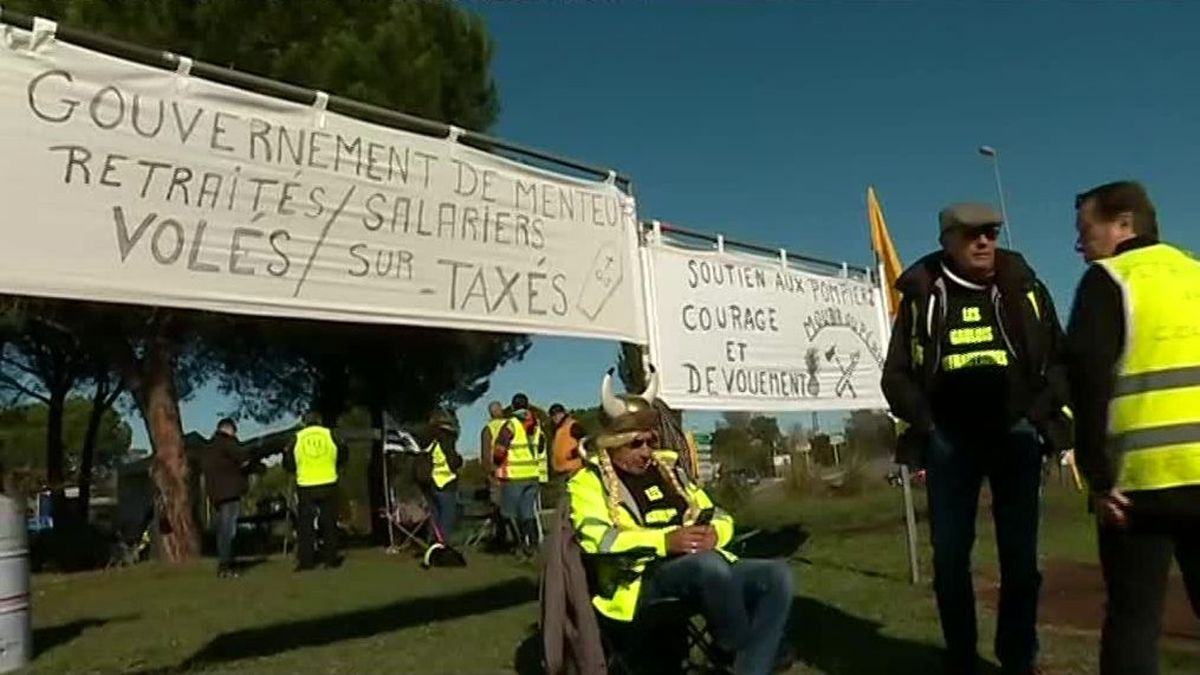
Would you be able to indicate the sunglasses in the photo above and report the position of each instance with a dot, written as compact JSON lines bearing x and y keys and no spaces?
{"x":989,"y":232}
{"x":642,"y":442}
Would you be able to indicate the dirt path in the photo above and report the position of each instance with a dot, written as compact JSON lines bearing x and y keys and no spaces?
{"x":1073,"y":596}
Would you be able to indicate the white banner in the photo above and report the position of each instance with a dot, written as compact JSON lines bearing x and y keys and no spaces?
{"x":732,"y":331}
{"x":126,"y":183}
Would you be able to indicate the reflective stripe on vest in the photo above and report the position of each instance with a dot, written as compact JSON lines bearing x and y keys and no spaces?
{"x":520,"y":464}
{"x":442,"y":473}
{"x":494,"y":428}
{"x":316,"y":457}
{"x":1154,"y":416}
{"x":618,"y":598}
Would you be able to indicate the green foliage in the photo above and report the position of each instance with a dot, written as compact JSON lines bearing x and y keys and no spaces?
{"x":747,"y":442}
{"x":429,"y":59}
{"x":23,"y":435}
{"x":870,"y":433}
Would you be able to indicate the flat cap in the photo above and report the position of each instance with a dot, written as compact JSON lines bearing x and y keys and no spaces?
{"x":968,"y":214}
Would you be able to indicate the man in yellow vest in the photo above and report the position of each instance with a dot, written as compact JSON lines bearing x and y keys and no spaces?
{"x":516,"y":460}
{"x":314,"y":457}
{"x":652,"y":534}
{"x":565,"y":456}
{"x":1134,"y":346}
{"x":440,"y":437}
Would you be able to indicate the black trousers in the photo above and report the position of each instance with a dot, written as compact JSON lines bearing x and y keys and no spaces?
{"x":1136,"y":562}
{"x":319,"y":502}
{"x":957,"y":464}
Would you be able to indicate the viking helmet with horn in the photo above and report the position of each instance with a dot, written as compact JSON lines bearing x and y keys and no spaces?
{"x":628,"y":414}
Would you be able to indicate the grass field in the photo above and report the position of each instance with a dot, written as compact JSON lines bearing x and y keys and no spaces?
{"x":855,"y":613}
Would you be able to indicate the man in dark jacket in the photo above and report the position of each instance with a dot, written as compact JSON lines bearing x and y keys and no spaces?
{"x":1134,"y":361}
{"x":225,"y":480}
{"x":974,"y":369}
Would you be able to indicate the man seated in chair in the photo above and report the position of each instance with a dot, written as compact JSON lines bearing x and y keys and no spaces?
{"x":635,"y":514}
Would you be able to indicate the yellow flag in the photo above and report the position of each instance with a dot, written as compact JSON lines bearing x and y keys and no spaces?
{"x":885,"y":250}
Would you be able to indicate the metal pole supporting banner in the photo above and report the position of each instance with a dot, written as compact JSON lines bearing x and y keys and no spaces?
{"x":910,"y":513}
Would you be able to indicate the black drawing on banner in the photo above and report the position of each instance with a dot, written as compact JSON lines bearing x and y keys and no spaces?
{"x":603,"y":279}
{"x":321,"y":240}
{"x":835,"y":318}
{"x":812,"y":363}
{"x":845,"y":382}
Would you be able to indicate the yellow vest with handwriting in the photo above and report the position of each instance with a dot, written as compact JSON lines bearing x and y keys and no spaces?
{"x":1154,"y":416}
{"x":316,"y":457}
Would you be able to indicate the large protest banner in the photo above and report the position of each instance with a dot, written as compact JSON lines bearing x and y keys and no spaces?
{"x":735,"y":331}
{"x":127,"y":183}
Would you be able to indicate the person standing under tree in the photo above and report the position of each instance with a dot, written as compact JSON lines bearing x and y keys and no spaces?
{"x":223,"y":465}
{"x":314,"y":457}
{"x":565,"y":454}
{"x":1134,"y":362}
{"x":975,"y":368}
{"x":438,"y":472}
{"x":516,"y":460}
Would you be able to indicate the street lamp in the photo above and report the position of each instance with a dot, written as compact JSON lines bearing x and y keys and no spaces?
{"x":991,"y":153}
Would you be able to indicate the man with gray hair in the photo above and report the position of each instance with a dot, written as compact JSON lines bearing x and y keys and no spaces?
{"x":975,"y":370}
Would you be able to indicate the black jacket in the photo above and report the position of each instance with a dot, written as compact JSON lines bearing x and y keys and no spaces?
{"x":1095,"y":340}
{"x":1034,"y":336}
{"x":222,"y":464}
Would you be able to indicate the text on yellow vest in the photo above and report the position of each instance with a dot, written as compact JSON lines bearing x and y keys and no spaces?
{"x":1154,"y":416}
{"x":316,"y":457}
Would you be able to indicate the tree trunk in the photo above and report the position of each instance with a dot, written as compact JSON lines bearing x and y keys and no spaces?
{"x":333,"y":390}
{"x":54,"y":454}
{"x":375,"y":469}
{"x":100,"y":405}
{"x":159,"y":405}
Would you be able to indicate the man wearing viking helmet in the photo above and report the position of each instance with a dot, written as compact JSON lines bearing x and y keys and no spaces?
{"x":651,"y":534}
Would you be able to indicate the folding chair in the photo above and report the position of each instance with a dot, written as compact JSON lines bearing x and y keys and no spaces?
{"x":667,"y":636}
{"x":476,"y":507}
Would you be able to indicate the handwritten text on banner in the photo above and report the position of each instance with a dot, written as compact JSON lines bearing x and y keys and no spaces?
{"x":731,"y":331}
{"x":126,"y":183}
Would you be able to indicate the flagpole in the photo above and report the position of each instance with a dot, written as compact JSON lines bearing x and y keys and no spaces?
{"x":910,"y":514}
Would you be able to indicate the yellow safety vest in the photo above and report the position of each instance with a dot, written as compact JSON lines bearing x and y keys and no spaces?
{"x":442,"y":473}
{"x":316,"y":457}
{"x":1154,"y":416}
{"x":623,"y":548}
{"x":494,"y":428}
{"x":520,"y":464}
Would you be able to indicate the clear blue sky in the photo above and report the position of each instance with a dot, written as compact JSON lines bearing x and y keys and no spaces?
{"x":767,"y":121}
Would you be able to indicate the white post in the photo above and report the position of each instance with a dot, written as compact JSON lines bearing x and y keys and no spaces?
{"x":910,"y":513}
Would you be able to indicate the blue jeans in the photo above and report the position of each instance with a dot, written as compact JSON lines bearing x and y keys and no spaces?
{"x":745,"y":604}
{"x":956,"y":465}
{"x":518,"y":499}
{"x":227,"y":518}
{"x":445,"y":510}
